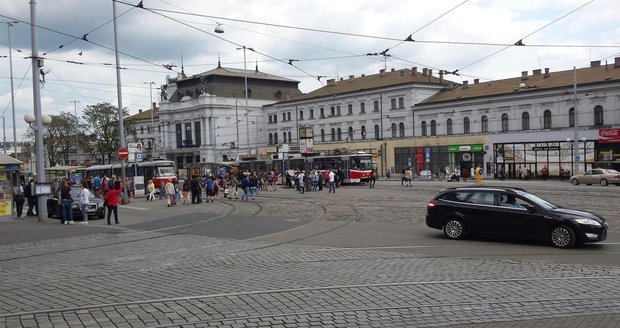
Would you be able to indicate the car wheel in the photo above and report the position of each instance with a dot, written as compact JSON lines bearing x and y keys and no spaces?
{"x":604,"y":182}
{"x":575,"y":182}
{"x":454,"y":229}
{"x":563,"y":237}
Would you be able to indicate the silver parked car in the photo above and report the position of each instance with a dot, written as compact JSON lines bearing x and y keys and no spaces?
{"x":598,"y":176}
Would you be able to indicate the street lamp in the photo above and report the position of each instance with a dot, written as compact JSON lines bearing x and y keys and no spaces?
{"x":40,"y":157}
{"x":9,"y":24}
{"x":77,"y":135}
{"x":245,"y":77}
{"x":152,"y":108}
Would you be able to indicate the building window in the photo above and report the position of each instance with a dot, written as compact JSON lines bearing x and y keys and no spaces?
{"x":339,"y":134}
{"x":401,"y":102}
{"x":301,"y":115}
{"x":271,"y":138}
{"x":283,"y":117}
{"x":148,"y":129}
{"x":275,"y":138}
{"x":393,"y":103}
{"x":449,"y":126}
{"x":466,"y":127}
{"x":284,"y":137}
{"x":433,"y":128}
{"x":376,"y":106}
{"x":377,"y":132}
{"x":322,"y":112}
{"x":363,"y":132}
{"x":312,"y":113}
{"x":141,"y":130}
{"x":362,"y":108}
{"x":323,"y":135}
{"x":350,"y":133}
{"x":571,"y":118}
{"x":270,"y":119}
{"x":350,"y":109}
{"x":484,"y":124}
{"x":424,"y":128}
{"x":179,"y":134}
{"x":288,"y":116}
{"x":289,"y":137}
{"x":401,"y":130}
{"x":598,"y":116}
{"x":275,"y":118}
{"x":333,"y":134}
{"x":525,"y":121}
{"x":504,"y":122}
{"x":338,"y":111}
{"x":197,"y":134}
{"x":332,"y":111}
{"x":547,"y":119}
{"x":393,"y":130}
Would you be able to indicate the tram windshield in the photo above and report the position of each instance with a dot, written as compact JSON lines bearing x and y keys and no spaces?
{"x":361,"y":163}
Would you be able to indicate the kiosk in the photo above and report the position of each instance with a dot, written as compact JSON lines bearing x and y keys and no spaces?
{"x":9,"y":177}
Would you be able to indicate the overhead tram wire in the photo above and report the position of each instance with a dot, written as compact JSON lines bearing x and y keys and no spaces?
{"x":520,"y":42}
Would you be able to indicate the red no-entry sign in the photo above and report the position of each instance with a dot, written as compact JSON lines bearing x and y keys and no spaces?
{"x":123,"y":153}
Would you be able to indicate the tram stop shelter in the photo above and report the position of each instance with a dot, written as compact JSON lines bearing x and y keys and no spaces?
{"x":9,"y":177}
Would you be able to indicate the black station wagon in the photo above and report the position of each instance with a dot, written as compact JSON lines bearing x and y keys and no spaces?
{"x":512,"y":213}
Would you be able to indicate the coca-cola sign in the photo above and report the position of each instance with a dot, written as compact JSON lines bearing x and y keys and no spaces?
{"x":609,"y":135}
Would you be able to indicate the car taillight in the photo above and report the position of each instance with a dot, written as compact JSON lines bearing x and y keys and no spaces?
{"x":431,"y":205}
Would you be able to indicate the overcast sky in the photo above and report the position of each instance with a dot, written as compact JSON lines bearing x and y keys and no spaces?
{"x":322,"y":38}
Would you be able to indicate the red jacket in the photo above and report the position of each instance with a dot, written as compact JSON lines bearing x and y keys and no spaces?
{"x":111,"y":196}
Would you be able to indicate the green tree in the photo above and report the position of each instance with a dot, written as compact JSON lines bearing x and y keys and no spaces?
{"x":102,"y":124}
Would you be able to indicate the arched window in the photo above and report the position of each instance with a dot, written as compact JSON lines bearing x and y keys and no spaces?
{"x":363,"y":132}
{"x":547,"y":119}
{"x":323,"y":135}
{"x":271,"y":138}
{"x":424,"y":128}
{"x":571,"y":118}
{"x":377,"y":132}
{"x":401,"y":130}
{"x":350,"y":133}
{"x":484,"y":124}
{"x":466,"y":128}
{"x":333,"y":134}
{"x":289,"y":137}
{"x":275,"y":138}
{"x":525,"y":121}
{"x":433,"y":128}
{"x":284,"y":137}
{"x":339,"y":134}
{"x":449,"y":126}
{"x":393,"y":130}
{"x":505,"y":123}
{"x":598,"y":115}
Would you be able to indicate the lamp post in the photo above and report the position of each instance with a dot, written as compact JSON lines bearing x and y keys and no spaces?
{"x":39,"y":121}
{"x":245,"y":78}
{"x":152,"y":108}
{"x":77,"y":135}
{"x":8,"y":25}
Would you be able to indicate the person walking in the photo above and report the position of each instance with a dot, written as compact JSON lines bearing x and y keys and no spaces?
{"x":84,"y":199}
{"x":332,"y":181}
{"x":150,"y":191}
{"x":111,"y":200}
{"x":235,"y":186}
{"x":19,"y":199}
{"x":210,"y":189}
{"x":408,"y":176}
{"x":245,"y":184}
{"x":253,"y":185}
{"x":373,"y":179}
{"x":302,"y":184}
{"x":388,"y":174}
{"x":31,"y":197}
{"x":186,"y":192}
{"x":169,"y":190}
{"x":66,"y":203}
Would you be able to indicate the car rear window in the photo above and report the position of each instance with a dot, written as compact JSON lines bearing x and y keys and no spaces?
{"x":455,"y":196}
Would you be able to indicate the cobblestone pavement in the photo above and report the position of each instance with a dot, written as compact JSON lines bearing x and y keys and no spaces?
{"x":137,"y":278}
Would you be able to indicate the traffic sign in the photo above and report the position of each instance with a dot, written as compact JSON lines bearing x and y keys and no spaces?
{"x":138,"y":157}
{"x":123,"y":153}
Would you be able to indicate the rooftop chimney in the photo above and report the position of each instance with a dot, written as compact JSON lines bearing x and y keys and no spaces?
{"x":341,"y":78}
{"x":476,"y":81}
{"x":523,"y":75}
{"x":351,"y":77}
{"x":139,"y":111}
{"x":595,"y":63}
{"x":536,"y":71}
{"x":363,"y":75}
{"x":382,"y":72}
{"x":440,"y":76}
{"x":430,"y":75}
{"x":465,"y":84}
{"x":424,"y":71}
{"x":547,"y":74}
{"x":393,"y":69}
{"x":414,"y":70}
{"x":154,"y":105}
{"x":331,"y":82}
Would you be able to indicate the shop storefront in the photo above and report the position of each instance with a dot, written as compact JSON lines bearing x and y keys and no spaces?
{"x":437,"y":158}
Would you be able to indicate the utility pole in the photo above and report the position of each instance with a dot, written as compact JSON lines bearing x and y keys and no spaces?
{"x":121,"y":128}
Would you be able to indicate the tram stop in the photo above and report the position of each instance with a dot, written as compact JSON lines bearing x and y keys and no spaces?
{"x":9,"y":177}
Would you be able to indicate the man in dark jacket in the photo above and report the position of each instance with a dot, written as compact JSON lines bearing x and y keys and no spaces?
{"x":29,"y":193}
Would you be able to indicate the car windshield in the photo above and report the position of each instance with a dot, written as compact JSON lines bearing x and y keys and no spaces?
{"x":537,"y":200}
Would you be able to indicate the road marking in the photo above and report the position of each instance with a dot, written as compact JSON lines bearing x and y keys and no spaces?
{"x":136,"y":208}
